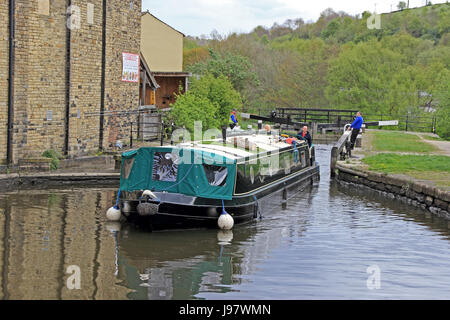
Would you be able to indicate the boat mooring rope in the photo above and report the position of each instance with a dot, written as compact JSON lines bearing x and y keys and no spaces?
{"x":185,"y":176}
{"x":117,"y":201}
{"x":296,"y":159}
{"x":223,"y":208}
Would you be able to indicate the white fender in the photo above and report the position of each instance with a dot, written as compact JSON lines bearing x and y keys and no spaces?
{"x":113,"y":214}
{"x":150,"y":194}
{"x":225,"y":222}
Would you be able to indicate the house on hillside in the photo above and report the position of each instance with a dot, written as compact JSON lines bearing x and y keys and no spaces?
{"x":162,"y":56}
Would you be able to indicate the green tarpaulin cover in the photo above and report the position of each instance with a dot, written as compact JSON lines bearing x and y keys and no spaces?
{"x":186,"y":171}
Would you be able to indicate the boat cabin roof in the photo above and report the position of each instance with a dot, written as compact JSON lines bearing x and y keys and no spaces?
{"x":239,"y":147}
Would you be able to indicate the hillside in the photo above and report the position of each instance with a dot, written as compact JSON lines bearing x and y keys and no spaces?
{"x":338,"y":62}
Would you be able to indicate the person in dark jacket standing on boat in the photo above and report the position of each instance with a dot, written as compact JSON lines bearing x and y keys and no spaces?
{"x":305,"y":135}
{"x":356,"y":128}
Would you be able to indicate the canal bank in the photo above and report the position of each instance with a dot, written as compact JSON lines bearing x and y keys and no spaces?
{"x":43,"y":181}
{"x":424,"y":189}
{"x":91,"y":171}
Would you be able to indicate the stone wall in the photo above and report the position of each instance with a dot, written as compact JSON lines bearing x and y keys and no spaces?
{"x":4,"y":64}
{"x":40,"y":83}
{"x":39,"y":79}
{"x":85,"y":77}
{"x":420,"y":195}
{"x":123,"y":35}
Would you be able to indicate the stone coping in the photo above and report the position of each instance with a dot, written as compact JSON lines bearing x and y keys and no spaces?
{"x":420,"y":187}
{"x":15,"y":181}
{"x":432,"y":198}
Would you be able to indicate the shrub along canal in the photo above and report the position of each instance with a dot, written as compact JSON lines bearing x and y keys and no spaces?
{"x":324,"y":243}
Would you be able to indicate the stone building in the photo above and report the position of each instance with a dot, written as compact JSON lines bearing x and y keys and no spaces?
{"x":66,"y":79}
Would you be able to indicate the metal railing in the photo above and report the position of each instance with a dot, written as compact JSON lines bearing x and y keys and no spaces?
{"x":317,"y":115}
{"x":338,"y":151}
{"x":408,"y":122}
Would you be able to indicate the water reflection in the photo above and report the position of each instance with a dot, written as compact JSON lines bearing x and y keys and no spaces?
{"x":177,"y":265}
{"x":43,"y":234}
{"x":317,"y":244}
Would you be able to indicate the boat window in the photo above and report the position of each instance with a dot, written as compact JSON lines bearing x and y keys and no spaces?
{"x":216,"y":175}
{"x":126,"y":169}
{"x":164,"y":167}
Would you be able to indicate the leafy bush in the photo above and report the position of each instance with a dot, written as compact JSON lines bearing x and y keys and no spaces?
{"x":442,"y":95}
{"x":55,"y":156}
{"x":210,"y":100}
{"x":443,"y":122}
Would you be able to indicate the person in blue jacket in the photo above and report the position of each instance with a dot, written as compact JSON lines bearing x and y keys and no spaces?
{"x":356,"y":128}
{"x":233,"y":121}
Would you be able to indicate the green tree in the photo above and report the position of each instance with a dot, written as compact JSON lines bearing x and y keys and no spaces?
{"x":361,"y":78}
{"x":300,"y":78}
{"x":210,"y":100}
{"x":193,"y":56}
{"x":401,"y":5}
{"x":443,"y":121}
{"x":407,"y":46}
{"x":331,"y":29}
{"x":442,"y":95}
{"x":236,"y":68}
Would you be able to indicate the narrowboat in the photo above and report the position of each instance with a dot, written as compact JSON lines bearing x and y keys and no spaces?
{"x":199,"y":184}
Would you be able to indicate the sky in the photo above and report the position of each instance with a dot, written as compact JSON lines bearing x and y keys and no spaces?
{"x":201,"y":17}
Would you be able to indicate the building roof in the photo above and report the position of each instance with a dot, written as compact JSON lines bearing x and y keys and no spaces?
{"x":172,"y":74}
{"x":151,"y":79}
{"x":148,"y":12}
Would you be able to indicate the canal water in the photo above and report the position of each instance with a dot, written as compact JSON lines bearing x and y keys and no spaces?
{"x":328,"y":242}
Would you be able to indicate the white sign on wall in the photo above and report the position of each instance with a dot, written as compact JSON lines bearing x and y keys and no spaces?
{"x":130,"y":71}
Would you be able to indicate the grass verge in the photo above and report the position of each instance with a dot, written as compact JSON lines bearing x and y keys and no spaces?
{"x":396,"y":163}
{"x":431,"y":138}
{"x":400,"y":142}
